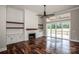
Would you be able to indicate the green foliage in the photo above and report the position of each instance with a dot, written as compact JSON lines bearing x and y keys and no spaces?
{"x":58,"y":26}
{"x":66,"y":26}
{"x":52,"y":26}
{"x":49,"y":27}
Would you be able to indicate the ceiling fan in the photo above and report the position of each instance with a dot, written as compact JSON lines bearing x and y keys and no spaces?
{"x":45,"y":14}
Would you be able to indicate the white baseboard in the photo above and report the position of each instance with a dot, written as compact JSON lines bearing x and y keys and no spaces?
{"x":3,"y":49}
{"x":74,"y":40}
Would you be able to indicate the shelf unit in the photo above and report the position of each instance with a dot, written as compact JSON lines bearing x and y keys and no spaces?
{"x":12,"y":22}
{"x":40,"y":26}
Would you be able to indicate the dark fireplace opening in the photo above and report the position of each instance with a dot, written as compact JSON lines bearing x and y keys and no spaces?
{"x":32,"y":38}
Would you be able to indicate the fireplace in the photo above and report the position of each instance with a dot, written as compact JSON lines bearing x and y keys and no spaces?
{"x":32,"y":37}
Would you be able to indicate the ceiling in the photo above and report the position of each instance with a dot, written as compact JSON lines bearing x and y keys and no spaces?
{"x":50,"y":8}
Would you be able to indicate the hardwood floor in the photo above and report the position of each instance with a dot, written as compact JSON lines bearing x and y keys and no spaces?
{"x":43,"y":45}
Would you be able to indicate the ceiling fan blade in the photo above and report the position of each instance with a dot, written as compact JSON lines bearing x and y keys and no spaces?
{"x":47,"y":16}
{"x":39,"y":15}
{"x":50,"y":15}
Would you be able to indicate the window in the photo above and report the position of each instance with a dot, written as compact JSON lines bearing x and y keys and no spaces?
{"x":66,"y":16}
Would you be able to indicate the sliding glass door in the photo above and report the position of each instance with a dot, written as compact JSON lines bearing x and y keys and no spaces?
{"x":59,"y":30}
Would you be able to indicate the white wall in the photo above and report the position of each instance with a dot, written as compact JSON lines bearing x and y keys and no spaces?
{"x":15,"y":15}
{"x":40,"y":31}
{"x":75,"y":25}
{"x":3,"y":28}
{"x":44,"y":26}
{"x":31,"y":21}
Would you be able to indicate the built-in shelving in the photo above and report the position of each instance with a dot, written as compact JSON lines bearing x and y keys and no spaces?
{"x":14,"y":22}
{"x":40,"y":26}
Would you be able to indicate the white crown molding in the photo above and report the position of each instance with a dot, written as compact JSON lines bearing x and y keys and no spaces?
{"x":65,"y":11}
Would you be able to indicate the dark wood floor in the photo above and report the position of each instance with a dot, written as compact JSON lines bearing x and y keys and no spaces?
{"x":43,"y":45}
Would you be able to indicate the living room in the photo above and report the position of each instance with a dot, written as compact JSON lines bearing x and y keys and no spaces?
{"x":39,"y":29}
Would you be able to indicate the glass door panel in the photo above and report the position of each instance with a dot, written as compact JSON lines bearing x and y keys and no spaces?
{"x":58,"y":30}
{"x":58,"y":36}
{"x":53,"y":34}
{"x":66,"y":29}
{"x":48,"y":30}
